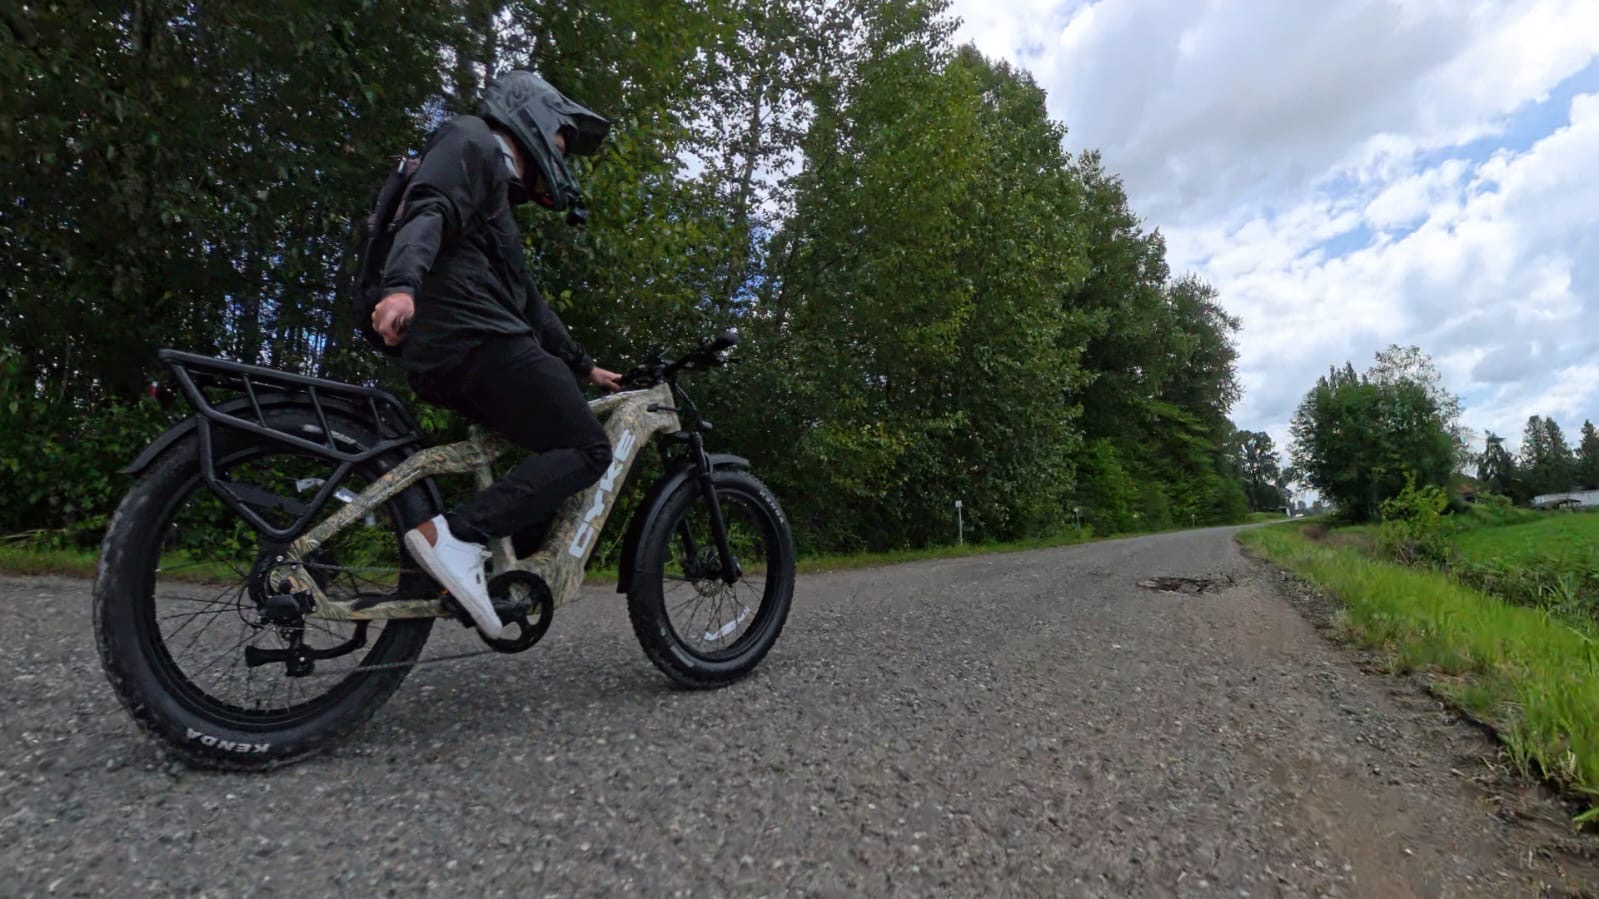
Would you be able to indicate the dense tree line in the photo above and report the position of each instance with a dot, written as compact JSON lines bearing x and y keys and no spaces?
{"x":938,"y":301}
{"x":1545,"y":464}
{"x":1359,"y":439}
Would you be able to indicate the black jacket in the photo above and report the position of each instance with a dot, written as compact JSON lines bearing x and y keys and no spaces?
{"x":458,"y":253}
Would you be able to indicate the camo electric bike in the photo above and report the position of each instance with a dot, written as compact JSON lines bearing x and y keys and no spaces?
{"x":254,"y":601}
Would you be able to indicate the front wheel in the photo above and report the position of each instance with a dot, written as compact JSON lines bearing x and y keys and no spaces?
{"x":697,"y":628}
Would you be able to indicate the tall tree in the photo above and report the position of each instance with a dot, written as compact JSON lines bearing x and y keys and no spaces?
{"x":1261,"y":470}
{"x":1546,"y":460}
{"x":1496,"y":468}
{"x":1359,"y":439}
{"x":870,"y":289}
{"x":1126,"y":350}
{"x":187,"y":174}
{"x":1588,"y":458}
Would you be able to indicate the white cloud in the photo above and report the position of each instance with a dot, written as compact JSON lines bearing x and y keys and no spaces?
{"x":1351,"y":175}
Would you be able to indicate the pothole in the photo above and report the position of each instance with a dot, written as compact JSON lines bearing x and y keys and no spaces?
{"x":1188,"y":585}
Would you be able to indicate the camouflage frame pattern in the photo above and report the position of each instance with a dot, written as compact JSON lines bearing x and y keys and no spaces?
{"x":636,"y":416}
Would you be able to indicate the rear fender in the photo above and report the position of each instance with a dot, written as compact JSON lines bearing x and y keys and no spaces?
{"x":654,"y":499}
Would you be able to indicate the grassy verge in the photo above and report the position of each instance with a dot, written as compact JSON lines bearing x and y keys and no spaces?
{"x":24,"y":559}
{"x":1531,"y":675}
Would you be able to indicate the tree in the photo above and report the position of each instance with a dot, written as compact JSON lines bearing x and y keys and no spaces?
{"x":1260,"y":470}
{"x":1496,"y":468}
{"x":1546,"y":460}
{"x":1397,"y":364}
{"x":1588,"y":458}
{"x":187,"y":174}
{"x":1359,"y":439}
{"x":937,"y":301}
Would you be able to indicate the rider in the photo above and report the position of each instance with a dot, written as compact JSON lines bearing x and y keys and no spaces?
{"x":476,"y":335}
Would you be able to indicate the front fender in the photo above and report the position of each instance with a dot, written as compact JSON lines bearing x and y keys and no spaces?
{"x":654,"y":499}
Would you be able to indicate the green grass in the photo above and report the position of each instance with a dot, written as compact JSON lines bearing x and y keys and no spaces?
{"x":1257,"y":517}
{"x":1532,"y":675}
{"x":1551,"y":561}
{"x":24,"y":559}
{"x":1552,"y":537}
{"x":36,"y":560}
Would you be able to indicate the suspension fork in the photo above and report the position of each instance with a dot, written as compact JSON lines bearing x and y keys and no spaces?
{"x":731,"y":572}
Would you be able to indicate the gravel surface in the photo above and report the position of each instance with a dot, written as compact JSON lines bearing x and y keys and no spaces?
{"x":1009,"y":725}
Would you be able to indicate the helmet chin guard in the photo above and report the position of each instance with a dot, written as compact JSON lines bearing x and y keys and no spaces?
{"x":533,"y":112}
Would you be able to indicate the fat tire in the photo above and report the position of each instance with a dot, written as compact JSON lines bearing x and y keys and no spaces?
{"x":646,"y":600}
{"x":125,"y":567}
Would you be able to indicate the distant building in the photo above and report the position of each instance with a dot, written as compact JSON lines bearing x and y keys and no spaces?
{"x":1576,"y":499}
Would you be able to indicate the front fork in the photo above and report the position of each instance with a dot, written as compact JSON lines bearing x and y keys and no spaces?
{"x":730,"y":570}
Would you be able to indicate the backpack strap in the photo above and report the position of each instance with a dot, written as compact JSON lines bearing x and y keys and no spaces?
{"x":408,"y":167}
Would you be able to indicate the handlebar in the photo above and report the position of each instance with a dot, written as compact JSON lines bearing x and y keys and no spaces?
{"x":654,"y":368}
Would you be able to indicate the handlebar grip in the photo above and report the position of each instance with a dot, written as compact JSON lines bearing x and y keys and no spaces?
{"x":729,"y":338}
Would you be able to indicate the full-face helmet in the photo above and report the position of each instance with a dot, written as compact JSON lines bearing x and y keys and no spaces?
{"x":533,"y":112}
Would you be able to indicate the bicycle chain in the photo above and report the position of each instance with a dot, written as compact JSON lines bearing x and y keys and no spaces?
{"x":387,"y":666}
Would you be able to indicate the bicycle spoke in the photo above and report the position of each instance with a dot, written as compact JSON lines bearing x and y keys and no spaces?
{"x":276,"y":683}
{"x":230,"y":675}
{"x":719,"y":634}
{"x":220,"y":656}
{"x":222,"y":611}
{"x":210,"y":602}
{"x":207,"y":626}
{"x":694,"y":599}
{"x":758,"y":592}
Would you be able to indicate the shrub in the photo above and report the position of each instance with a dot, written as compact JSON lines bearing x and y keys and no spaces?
{"x":59,"y":459}
{"x":1414,"y":528}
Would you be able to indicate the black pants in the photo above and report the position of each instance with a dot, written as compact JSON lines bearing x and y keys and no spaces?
{"x":510,"y":385}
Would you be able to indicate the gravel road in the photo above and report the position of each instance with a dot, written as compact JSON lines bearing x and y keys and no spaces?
{"x":1010,"y":725}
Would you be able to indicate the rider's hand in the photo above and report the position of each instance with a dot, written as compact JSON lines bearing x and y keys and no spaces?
{"x":609,"y":380}
{"x":392,"y":316}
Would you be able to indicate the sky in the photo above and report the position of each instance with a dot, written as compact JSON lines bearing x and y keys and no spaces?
{"x":1351,"y":175}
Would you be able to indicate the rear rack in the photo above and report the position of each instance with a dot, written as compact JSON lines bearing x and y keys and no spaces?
{"x":252,"y":389}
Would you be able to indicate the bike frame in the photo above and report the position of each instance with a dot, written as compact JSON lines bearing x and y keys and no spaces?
{"x":635,"y":418}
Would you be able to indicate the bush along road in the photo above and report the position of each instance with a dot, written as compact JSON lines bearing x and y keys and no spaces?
{"x":1033,"y":723}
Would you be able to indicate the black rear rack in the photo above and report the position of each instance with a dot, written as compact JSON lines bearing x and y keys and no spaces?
{"x":249,"y":390}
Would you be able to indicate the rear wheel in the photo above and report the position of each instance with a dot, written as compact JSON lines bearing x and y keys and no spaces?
{"x":697,"y":628}
{"x":178,"y":602}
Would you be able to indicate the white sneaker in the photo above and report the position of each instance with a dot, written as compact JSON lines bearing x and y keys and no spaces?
{"x":457,"y":565}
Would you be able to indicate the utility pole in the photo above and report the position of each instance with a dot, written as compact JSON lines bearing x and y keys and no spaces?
{"x":960,"y":525}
